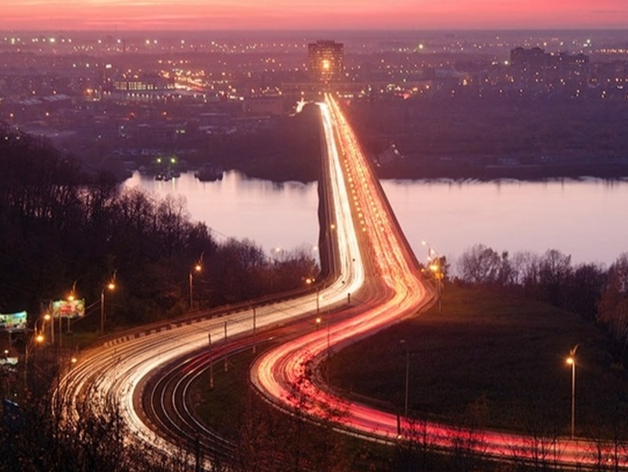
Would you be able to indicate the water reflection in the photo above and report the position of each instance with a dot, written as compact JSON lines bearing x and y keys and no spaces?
{"x":270,"y":214}
{"x":585,"y":218}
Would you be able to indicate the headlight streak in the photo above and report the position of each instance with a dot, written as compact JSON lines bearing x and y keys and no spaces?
{"x":375,"y":265}
{"x":112,"y":374}
{"x":286,"y":375}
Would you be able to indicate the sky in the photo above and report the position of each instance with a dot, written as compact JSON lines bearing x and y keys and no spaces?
{"x":124,"y":15}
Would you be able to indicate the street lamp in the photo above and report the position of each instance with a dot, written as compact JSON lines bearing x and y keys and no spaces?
{"x":49,"y":319}
{"x":196,"y":268}
{"x":571,"y":360}
{"x":36,"y":339}
{"x":310,"y":281}
{"x":405,"y":407}
{"x":110,"y":286}
{"x":438,"y":275}
{"x":434,"y":265}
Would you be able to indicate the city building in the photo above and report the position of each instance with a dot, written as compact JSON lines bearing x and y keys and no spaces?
{"x":536,"y":67}
{"x":326,"y":61}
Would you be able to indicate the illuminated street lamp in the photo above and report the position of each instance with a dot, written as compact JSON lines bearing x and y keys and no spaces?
{"x":571,"y":360}
{"x":70,"y":298}
{"x":196,"y":268}
{"x":48,"y":319}
{"x":438,"y":275}
{"x":310,"y":281}
{"x":36,"y":339}
{"x":434,"y":265}
{"x":110,"y":286}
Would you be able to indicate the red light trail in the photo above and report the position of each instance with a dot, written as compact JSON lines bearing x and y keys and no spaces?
{"x":289,"y":376}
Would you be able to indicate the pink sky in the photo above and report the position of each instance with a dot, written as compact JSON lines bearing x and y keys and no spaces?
{"x":59,"y":15}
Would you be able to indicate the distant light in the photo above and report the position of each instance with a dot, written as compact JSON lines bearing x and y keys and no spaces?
{"x":421,"y":46}
{"x":52,"y":40}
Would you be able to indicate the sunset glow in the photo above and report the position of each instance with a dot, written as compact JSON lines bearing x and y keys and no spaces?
{"x":324,"y":14}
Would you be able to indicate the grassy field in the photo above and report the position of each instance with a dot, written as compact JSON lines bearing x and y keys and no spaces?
{"x":222,"y":408}
{"x":492,"y":360}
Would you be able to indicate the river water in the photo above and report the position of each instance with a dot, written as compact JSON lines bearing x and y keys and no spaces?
{"x":587,"y":218}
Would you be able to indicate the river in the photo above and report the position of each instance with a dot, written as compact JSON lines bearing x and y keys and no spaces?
{"x":586,"y":218}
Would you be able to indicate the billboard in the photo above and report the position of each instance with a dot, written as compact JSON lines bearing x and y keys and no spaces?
{"x":13,"y":322}
{"x":68,"y":308}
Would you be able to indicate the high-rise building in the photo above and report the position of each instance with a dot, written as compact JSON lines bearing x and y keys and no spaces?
{"x":325,"y":61}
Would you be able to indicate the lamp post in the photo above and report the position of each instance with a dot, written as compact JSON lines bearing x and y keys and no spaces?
{"x":35,"y":340}
{"x":310,"y":281}
{"x":211,"y":363}
{"x":110,"y":286}
{"x":196,"y":268}
{"x":49,"y":319}
{"x":226,"y":351}
{"x":254,"y":330}
{"x":571,"y":360}
{"x":405,"y":404}
{"x":438,"y":275}
{"x":434,"y":264}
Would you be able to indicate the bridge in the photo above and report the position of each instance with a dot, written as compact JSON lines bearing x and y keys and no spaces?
{"x":369,"y":259}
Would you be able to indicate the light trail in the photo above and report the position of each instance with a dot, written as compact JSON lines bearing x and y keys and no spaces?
{"x":395,"y":288}
{"x":376,"y":266}
{"x":288,"y":375}
{"x":113,"y":374}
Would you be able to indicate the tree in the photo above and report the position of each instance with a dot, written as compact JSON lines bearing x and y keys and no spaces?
{"x":584,"y":289}
{"x":480,"y":265}
{"x":613,"y":306}
{"x":554,"y":272}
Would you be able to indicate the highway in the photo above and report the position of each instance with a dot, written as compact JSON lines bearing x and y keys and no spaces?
{"x":115,"y":373}
{"x":372,"y":262}
{"x":287,"y":375}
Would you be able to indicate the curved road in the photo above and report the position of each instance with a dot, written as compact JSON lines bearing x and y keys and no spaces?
{"x":287,"y":377}
{"x":373,"y":263}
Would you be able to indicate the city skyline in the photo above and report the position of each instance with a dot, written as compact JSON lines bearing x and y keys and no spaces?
{"x":72,"y":15}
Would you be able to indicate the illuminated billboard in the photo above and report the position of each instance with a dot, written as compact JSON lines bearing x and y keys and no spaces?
{"x":68,"y":308}
{"x":13,"y":322}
